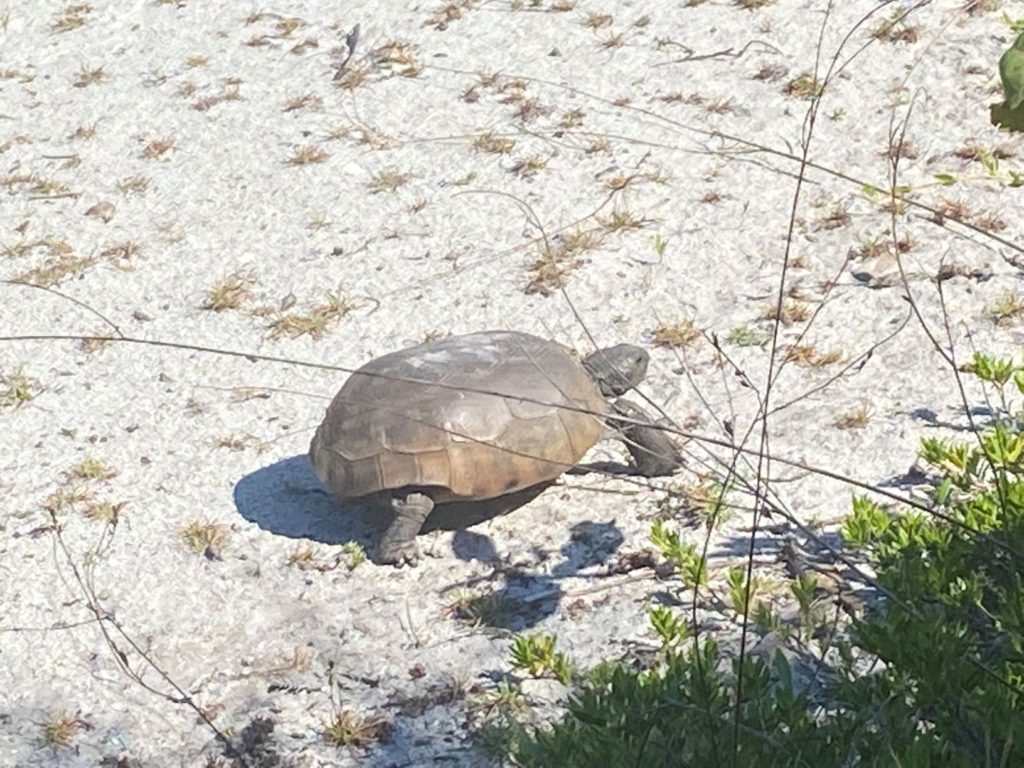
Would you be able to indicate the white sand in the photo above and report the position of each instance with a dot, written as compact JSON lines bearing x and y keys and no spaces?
{"x":224,"y":199}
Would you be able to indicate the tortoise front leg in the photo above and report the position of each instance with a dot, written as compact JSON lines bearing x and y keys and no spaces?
{"x":398,"y":544}
{"x":654,"y":454}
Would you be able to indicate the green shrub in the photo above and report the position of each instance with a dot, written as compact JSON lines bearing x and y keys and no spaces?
{"x":949,"y":635}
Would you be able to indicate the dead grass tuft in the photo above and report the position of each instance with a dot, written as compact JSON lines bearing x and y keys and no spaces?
{"x":677,"y":335}
{"x":806,"y":356}
{"x":792,"y":312}
{"x":348,"y":728}
{"x":62,"y":730}
{"x":388,"y":180}
{"x":316,"y":322}
{"x":55,"y":270}
{"x":157,"y":148}
{"x":305,"y":101}
{"x":805,"y":86}
{"x":134,"y":184}
{"x":230,"y":292}
{"x":72,"y":17}
{"x":492,"y":144}
{"x":203,"y":537}
{"x":87,"y":77}
{"x":308,"y":155}
{"x":858,"y":418}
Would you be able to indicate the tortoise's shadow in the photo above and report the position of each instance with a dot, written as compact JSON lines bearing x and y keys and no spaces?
{"x":287,"y":498}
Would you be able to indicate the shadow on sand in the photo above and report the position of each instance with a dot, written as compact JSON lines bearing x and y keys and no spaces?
{"x":286,"y":498}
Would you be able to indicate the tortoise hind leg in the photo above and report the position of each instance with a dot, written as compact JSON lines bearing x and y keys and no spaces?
{"x":398,"y":544}
{"x":654,"y":454}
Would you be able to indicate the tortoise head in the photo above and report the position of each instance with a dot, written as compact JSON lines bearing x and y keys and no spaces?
{"x":617,"y":369}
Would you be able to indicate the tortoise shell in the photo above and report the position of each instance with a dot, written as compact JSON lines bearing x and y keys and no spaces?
{"x":446,"y":416}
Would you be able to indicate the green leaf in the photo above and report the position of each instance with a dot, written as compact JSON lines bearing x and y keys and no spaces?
{"x":1011,"y":71}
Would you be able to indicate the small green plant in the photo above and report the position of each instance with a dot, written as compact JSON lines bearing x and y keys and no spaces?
{"x":804,"y":588}
{"x":92,"y":469}
{"x":767,"y":619}
{"x":741,"y":592}
{"x":106,"y":512}
{"x":691,"y":565}
{"x":1007,"y":308}
{"x":67,"y":498}
{"x":506,"y":698}
{"x":993,"y":370}
{"x":536,"y":655}
{"x":668,"y":627}
{"x":1011,"y":72}
{"x":354,"y":554}
{"x":709,"y":501}
{"x":745,"y":336}
{"x":16,"y":389}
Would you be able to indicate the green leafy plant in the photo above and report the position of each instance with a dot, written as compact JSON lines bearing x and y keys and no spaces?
{"x":949,"y":631}
{"x":669,"y":628}
{"x":691,"y":565}
{"x":740,"y":598}
{"x":536,"y":655}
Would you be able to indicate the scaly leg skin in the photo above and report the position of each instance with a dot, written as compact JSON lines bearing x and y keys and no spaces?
{"x":398,"y":544}
{"x":653,"y":452}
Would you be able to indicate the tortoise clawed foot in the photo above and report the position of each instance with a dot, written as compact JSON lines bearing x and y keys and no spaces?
{"x":399,"y":543}
{"x":399,"y":553}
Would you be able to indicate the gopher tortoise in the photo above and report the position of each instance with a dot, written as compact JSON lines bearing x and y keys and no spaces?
{"x":473,"y":418}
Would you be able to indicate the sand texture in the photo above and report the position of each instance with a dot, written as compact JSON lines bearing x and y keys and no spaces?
{"x":202,"y":173}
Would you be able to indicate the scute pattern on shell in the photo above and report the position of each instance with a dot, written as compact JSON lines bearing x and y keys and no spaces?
{"x":409,"y":418}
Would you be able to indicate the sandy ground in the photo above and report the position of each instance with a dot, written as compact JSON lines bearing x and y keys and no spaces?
{"x":193,"y":172}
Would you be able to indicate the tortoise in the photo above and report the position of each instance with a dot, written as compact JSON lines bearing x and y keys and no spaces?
{"x":477,"y":417}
